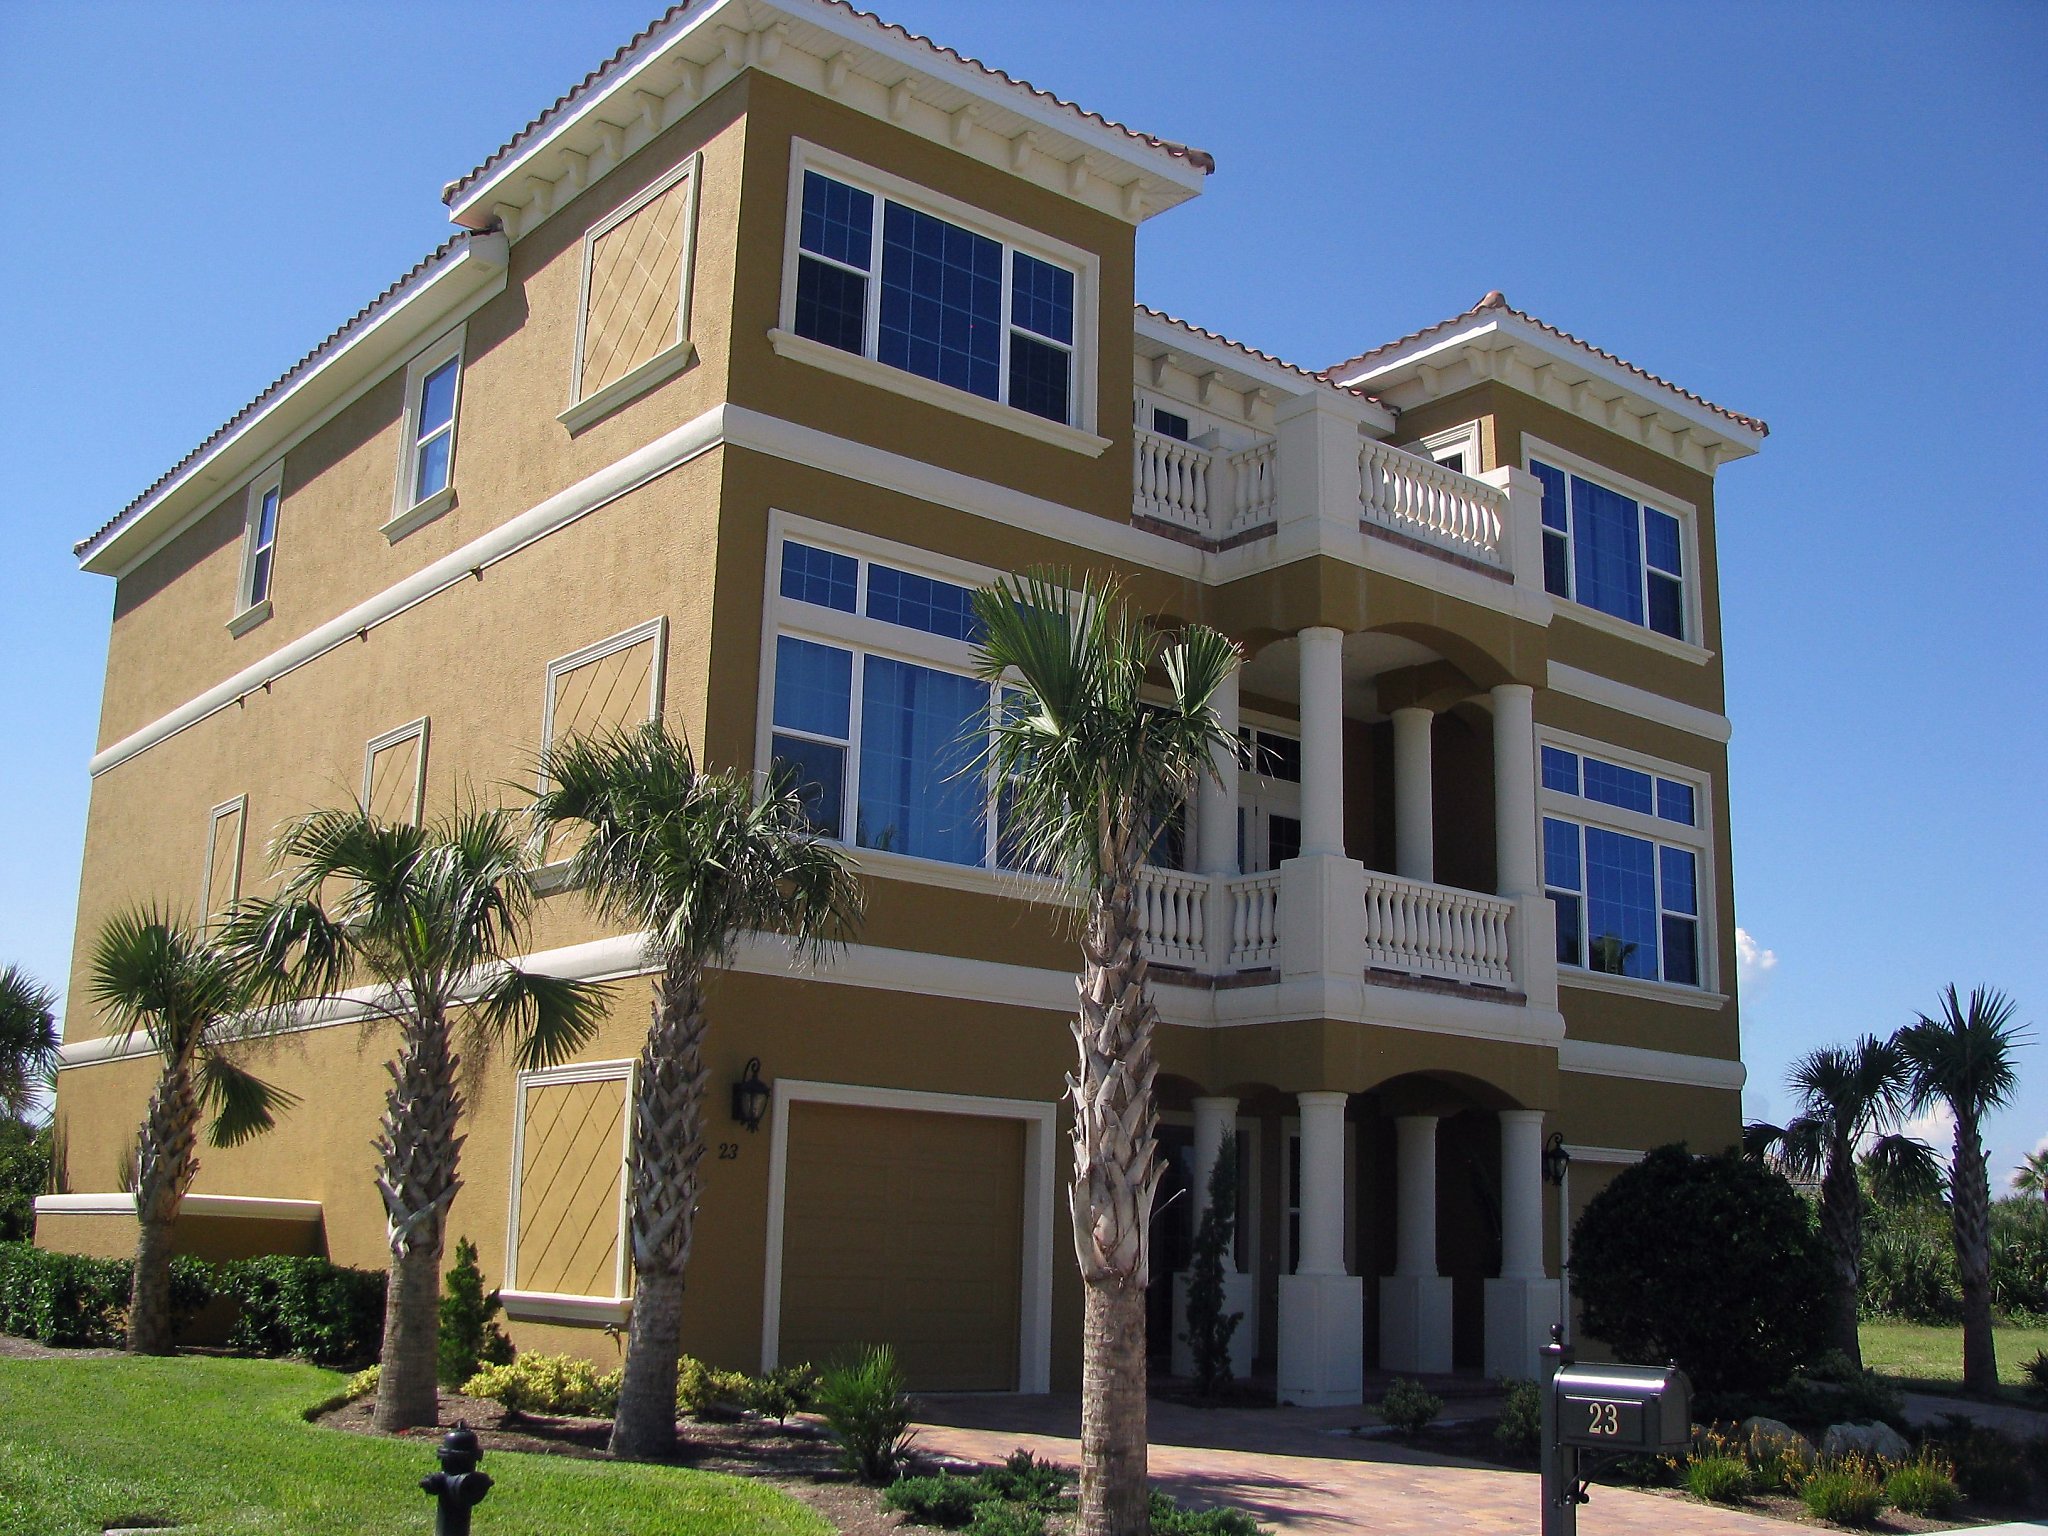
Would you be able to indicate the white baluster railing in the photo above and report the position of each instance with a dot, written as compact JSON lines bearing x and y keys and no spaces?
{"x":1173,"y":916}
{"x":1254,"y":920}
{"x":1434,"y":930}
{"x":1253,"y":486}
{"x":1172,"y":481}
{"x":1423,"y":500}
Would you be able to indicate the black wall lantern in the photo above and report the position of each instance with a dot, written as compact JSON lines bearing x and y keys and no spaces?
{"x":1557,"y":1161}
{"x":750,"y":1096}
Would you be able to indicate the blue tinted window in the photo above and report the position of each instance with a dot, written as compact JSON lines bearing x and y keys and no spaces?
{"x":942,"y":301}
{"x":1042,"y":297}
{"x":1681,"y":950}
{"x":1561,"y":770}
{"x":1607,"y":559}
{"x":1554,"y":511}
{"x":813,"y":686}
{"x":1621,"y":904}
{"x":918,"y":602}
{"x":839,"y":221}
{"x":1612,"y":784}
{"x":1560,"y":854}
{"x":437,"y":398}
{"x":919,"y":739}
{"x":1681,"y":881}
{"x":1675,"y":802}
{"x":812,"y":575}
{"x":831,"y":305}
{"x":1039,"y":375}
{"x":1660,"y":542}
{"x":266,"y":519}
{"x":816,"y":770}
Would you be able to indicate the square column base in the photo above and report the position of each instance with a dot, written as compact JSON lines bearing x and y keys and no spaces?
{"x":1518,"y":1318}
{"x":1322,"y":1340}
{"x":1239,"y":1294}
{"x":1415,"y":1324}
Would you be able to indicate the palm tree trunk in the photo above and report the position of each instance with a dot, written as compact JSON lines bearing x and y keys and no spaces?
{"x":166,"y":1160}
{"x":1969,"y":1209}
{"x":1841,"y":1223}
{"x":668,"y":1141}
{"x":417,"y":1152}
{"x":1116,"y":1174}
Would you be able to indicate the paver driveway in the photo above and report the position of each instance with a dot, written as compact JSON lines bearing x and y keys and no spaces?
{"x":1298,"y":1473}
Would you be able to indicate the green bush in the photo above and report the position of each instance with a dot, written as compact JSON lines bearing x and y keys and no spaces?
{"x":1989,"y":1465}
{"x":62,"y":1299}
{"x":2037,"y":1373}
{"x":298,"y":1306}
{"x":992,"y":1517}
{"x":1169,"y":1519}
{"x":945,"y":1501}
{"x":1209,"y":1327}
{"x":1711,"y":1261}
{"x":867,"y":1413}
{"x":1829,"y":1391}
{"x":1025,"y":1479}
{"x":1718,"y":1479}
{"x":566,"y":1385}
{"x":1924,"y":1486}
{"x":1909,"y":1264}
{"x":783,"y":1391}
{"x":1848,"y":1493}
{"x":26,"y":1154}
{"x":1520,"y":1430}
{"x":705,"y":1392}
{"x":363,"y":1384}
{"x":1409,"y":1405}
{"x":470,"y":1335}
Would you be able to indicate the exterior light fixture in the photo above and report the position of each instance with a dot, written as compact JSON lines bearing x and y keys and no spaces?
{"x":750,"y":1096}
{"x":1556,"y":1160}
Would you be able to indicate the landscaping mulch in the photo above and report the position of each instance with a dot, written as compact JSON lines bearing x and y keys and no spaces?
{"x":12,"y":1348}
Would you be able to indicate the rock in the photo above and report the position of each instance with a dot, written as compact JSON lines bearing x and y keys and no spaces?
{"x":1770,"y":1436}
{"x":1876,"y":1438}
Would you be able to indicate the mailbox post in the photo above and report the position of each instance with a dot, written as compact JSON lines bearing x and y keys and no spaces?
{"x":1595,"y":1412}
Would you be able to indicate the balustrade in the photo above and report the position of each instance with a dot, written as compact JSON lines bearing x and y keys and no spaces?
{"x":1422,"y":500}
{"x":1435,"y":930}
{"x":1209,"y":493}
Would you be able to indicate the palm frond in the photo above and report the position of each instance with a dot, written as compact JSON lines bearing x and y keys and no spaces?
{"x":28,"y":1038}
{"x":1760,"y":1140}
{"x":288,"y":948}
{"x":153,"y":972}
{"x":1903,"y":1168}
{"x":547,"y":1018}
{"x":1963,"y":1055}
{"x":241,"y":1105}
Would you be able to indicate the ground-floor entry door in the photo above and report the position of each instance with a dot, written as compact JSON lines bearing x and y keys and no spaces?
{"x":904,"y":1228}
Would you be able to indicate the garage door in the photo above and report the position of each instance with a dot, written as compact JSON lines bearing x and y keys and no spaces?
{"x":904,"y":1228}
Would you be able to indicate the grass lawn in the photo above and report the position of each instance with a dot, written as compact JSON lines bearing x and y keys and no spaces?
{"x":1919,"y":1355}
{"x":220,"y":1445}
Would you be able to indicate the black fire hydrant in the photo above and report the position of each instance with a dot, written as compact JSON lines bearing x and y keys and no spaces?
{"x":458,"y":1486}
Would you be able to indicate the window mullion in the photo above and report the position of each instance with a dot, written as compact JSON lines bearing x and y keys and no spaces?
{"x":871,"y":342}
{"x":1008,"y":310}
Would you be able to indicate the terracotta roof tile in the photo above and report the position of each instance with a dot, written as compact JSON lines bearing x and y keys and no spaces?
{"x":1324,"y":377}
{"x":1498,"y":301}
{"x":1202,"y":160}
{"x":418,"y":270}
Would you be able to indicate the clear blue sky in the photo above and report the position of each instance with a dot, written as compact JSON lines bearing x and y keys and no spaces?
{"x":1830,"y":216}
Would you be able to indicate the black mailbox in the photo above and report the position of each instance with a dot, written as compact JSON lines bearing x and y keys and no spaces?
{"x":1628,"y":1409}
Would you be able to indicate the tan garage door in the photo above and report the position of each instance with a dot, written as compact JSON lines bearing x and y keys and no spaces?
{"x":907,"y":1229}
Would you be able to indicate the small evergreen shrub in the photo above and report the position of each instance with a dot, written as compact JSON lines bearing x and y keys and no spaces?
{"x":1989,"y":1465}
{"x":566,"y":1385}
{"x":786,"y":1390}
{"x":945,"y":1501}
{"x":705,"y":1392}
{"x":1169,"y":1519}
{"x":363,"y":1384}
{"x":1718,"y":1479}
{"x":470,"y":1335}
{"x":1849,"y":1492}
{"x":1210,"y":1328}
{"x":1924,"y":1486}
{"x":1024,"y":1479}
{"x":1520,"y":1430}
{"x":1409,"y":1405}
{"x":992,"y":1517}
{"x":64,"y":1300}
{"x":298,"y":1306}
{"x":867,"y":1413}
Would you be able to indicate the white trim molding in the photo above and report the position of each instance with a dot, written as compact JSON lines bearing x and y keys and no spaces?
{"x":577,"y":1311}
{"x":412,"y":730}
{"x":238,"y":808}
{"x":407,"y":511}
{"x":235,"y":1207}
{"x":1621,"y":1156}
{"x":553,"y":1305}
{"x":1638,"y":703}
{"x":1598,"y":1059}
{"x":1034,"y":1329}
{"x":652,"y":632}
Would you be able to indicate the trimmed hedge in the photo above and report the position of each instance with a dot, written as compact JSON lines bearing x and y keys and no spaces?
{"x":62,"y":1299}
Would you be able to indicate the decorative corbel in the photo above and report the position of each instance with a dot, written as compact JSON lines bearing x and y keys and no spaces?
{"x":575,"y":168}
{"x":652,"y":110}
{"x":1077,"y":174}
{"x":1020,"y":151}
{"x":899,"y":100}
{"x":1205,"y":385}
{"x":1133,"y":200}
{"x":614,"y":139}
{"x":769,"y":43}
{"x":837,"y":68}
{"x":960,"y":125}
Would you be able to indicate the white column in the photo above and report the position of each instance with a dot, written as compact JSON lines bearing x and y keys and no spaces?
{"x":1216,"y":799}
{"x":1215,"y":1117}
{"x":1322,"y":740}
{"x":1414,"y":796}
{"x":1322,"y":1309}
{"x":1415,"y":1301}
{"x":1514,"y":790}
{"x":1522,"y":1303}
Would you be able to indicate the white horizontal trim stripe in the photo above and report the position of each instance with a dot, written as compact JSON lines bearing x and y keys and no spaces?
{"x":244,"y":1207}
{"x":1603,"y":1154}
{"x":1639,"y":702}
{"x":666,"y":452}
{"x":553,"y":1307}
{"x":1595,"y":1059}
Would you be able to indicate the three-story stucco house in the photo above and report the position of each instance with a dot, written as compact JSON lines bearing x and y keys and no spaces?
{"x":747,"y":359}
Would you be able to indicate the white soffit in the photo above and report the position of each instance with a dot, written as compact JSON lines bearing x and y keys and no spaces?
{"x":1213,"y":360}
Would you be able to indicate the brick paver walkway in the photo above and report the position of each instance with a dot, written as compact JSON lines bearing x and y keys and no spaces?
{"x":1298,"y":1472}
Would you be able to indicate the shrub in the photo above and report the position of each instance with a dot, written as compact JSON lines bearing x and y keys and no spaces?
{"x":1711,"y":1261}
{"x":1718,"y":1479}
{"x":1924,"y":1486}
{"x":1520,"y":1430}
{"x":705,"y":1392}
{"x":566,"y":1385}
{"x":1209,"y":1327}
{"x":297,"y":1306}
{"x":2037,"y":1373}
{"x":1989,"y":1465}
{"x":783,"y":1391}
{"x":62,"y":1299}
{"x":363,"y":1384}
{"x":1848,"y":1493}
{"x":992,"y":1517}
{"x":1025,"y":1479}
{"x":867,"y":1413}
{"x":1169,"y":1519}
{"x":1409,"y":1405}
{"x":470,"y":1335}
{"x":944,"y":1500}
{"x":1831,"y":1391}
{"x":1909,"y":1264}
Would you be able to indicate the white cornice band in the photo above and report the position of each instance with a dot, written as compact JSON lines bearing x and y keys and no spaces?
{"x":1594,"y":688}
{"x":1597,"y":1059}
{"x":238,"y":1207}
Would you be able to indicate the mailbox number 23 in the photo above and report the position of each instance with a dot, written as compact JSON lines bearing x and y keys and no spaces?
{"x":1605,"y":1418}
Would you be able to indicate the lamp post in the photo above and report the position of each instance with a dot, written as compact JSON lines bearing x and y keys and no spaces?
{"x":1557,"y":1170}
{"x":750,"y":1096}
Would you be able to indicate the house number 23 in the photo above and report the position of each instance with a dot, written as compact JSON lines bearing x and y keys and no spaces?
{"x":728,"y":1151}
{"x":1605,"y":1419}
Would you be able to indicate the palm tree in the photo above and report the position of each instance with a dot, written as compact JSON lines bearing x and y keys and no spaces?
{"x":153,"y":973}
{"x":1963,"y":1057}
{"x":1091,"y":769}
{"x":28,"y":1039}
{"x":419,"y":922}
{"x":692,"y":859}
{"x":2031,"y":1177}
{"x":1848,"y":1095}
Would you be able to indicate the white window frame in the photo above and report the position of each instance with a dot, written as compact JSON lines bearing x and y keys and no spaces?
{"x":411,"y":730}
{"x":1657,"y":499}
{"x":655,"y":630}
{"x":555,"y":1306}
{"x":1076,"y":433}
{"x":680,"y":351}
{"x":251,"y":609}
{"x":407,"y":513}
{"x":1439,"y":446}
{"x":1698,"y":839}
{"x":238,"y":808}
